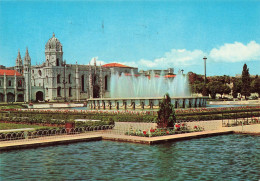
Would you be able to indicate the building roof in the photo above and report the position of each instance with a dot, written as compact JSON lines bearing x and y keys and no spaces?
{"x":9,"y":72}
{"x":128,"y":74}
{"x":110,"y":65}
{"x":169,"y":76}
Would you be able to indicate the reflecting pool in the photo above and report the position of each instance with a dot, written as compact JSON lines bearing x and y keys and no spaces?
{"x":227,"y":157}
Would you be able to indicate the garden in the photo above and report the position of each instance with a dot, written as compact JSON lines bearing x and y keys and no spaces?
{"x":169,"y":120}
{"x":177,"y":129}
{"x":59,"y":117}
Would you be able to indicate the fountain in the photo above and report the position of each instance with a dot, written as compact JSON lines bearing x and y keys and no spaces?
{"x":145,"y":92}
{"x":132,"y":86}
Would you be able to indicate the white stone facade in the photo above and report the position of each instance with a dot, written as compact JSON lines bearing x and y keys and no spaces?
{"x":55,"y":80}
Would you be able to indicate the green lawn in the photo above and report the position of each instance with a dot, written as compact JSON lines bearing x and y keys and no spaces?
{"x":11,"y":106}
{"x":4,"y":126}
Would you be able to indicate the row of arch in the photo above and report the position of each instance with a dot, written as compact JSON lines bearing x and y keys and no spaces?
{"x":82,"y":81}
{"x":11,"y":97}
{"x":59,"y":91}
{"x":19,"y":83}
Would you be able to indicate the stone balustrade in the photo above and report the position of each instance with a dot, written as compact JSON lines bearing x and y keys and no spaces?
{"x":145,"y":103}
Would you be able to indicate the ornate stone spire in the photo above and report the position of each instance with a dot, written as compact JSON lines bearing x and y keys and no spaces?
{"x":18,"y":56}
{"x":53,"y":34}
{"x":19,"y":61}
{"x":27,"y":58}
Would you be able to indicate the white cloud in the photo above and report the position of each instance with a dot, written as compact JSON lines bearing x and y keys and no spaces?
{"x":182,"y":58}
{"x":174,"y":58}
{"x":236,"y":52}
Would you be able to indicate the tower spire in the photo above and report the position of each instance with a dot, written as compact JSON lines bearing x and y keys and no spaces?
{"x":19,"y":58}
{"x":27,"y":58}
{"x":19,"y":63}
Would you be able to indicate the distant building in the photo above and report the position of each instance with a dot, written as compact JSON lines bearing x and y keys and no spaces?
{"x":158,"y":72}
{"x":11,"y":86}
{"x":55,"y":80}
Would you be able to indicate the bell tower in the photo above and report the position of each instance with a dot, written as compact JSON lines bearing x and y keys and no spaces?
{"x":19,"y":63}
{"x":27,"y":76}
{"x":53,"y":52}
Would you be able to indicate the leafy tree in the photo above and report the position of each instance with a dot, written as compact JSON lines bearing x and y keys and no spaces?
{"x":193,"y":78}
{"x":205,"y":91}
{"x":255,"y":86}
{"x":225,"y":90}
{"x":245,"y":81}
{"x":197,"y":87}
{"x":214,"y":87}
{"x":237,"y":86}
{"x":166,"y":113}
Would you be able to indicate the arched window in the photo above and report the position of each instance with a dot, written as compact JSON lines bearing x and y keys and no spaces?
{"x":58,"y":91}
{"x":9,"y":83}
{"x":94,"y":80}
{"x":47,"y":79}
{"x":69,"y":78}
{"x":0,"y":83}
{"x":106,"y":82}
{"x":57,"y":62}
{"x":70,"y":93}
{"x":58,"y":78}
{"x":20,"y":83}
{"x":40,"y":73}
{"x":82,"y":83}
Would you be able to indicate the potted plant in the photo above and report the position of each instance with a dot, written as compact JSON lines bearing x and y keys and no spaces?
{"x":69,"y":125}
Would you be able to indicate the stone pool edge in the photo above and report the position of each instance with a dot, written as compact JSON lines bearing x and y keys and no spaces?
{"x":164,"y":139}
{"x":13,"y":145}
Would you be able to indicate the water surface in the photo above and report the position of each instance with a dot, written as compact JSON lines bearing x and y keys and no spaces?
{"x":227,"y":157}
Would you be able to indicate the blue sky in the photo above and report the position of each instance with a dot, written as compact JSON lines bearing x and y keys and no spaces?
{"x":145,"y":34}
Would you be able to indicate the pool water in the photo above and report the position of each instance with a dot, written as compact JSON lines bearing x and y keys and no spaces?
{"x":227,"y":157}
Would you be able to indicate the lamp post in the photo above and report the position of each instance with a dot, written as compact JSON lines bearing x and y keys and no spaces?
{"x":182,"y":71}
{"x":64,"y":80}
{"x":205,"y":78}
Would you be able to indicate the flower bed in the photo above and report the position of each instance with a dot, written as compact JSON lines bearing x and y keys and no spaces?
{"x":56,"y":116}
{"x":177,"y":129}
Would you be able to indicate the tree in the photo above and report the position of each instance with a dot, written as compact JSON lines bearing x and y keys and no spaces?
{"x":255,"y":86}
{"x":197,"y":87}
{"x":237,"y":86}
{"x":205,"y":91}
{"x":193,"y":78}
{"x":226,"y":89}
{"x":214,"y":87}
{"x":166,"y":113}
{"x":245,"y":81}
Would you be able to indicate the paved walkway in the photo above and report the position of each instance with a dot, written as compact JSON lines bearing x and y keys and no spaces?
{"x":96,"y":136}
{"x":246,"y":129}
{"x":108,"y":135}
{"x":162,"y":139}
{"x":48,"y":141}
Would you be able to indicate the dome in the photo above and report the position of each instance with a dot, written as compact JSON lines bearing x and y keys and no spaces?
{"x":53,"y":44}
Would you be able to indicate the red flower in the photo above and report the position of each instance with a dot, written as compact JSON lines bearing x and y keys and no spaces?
{"x":182,"y":124}
{"x":195,"y":127}
{"x":144,"y":132}
{"x":177,"y":126}
{"x":152,"y":130}
{"x":167,"y":132}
